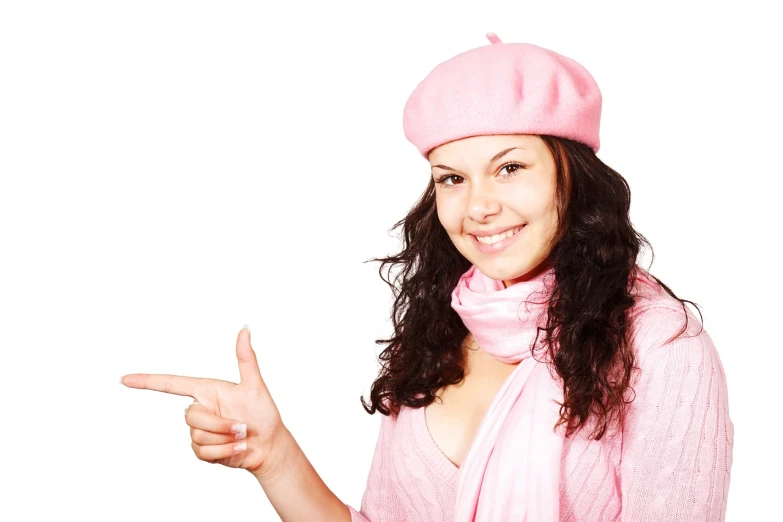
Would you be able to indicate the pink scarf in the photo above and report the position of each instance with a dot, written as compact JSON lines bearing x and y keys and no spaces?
{"x":512,"y":469}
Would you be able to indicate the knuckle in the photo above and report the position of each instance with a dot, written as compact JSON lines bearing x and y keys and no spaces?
{"x":197,"y":436}
{"x":203,"y":453}
{"x":167,"y":384}
{"x":201,"y":437}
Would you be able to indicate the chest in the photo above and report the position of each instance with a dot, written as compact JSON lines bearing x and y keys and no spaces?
{"x":453,"y":419}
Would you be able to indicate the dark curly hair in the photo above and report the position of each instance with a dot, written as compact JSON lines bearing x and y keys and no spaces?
{"x":594,"y":254}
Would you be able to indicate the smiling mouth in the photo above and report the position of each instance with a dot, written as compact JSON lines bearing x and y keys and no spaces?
{"x":491,"y":240}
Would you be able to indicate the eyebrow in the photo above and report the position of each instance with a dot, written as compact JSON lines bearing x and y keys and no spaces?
{"x":494,"y":158}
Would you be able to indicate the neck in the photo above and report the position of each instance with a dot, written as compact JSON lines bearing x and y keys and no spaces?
{"x":503,"y":320}
{"x":543,"y":266}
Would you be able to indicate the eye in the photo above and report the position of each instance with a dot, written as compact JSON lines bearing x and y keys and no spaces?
{"x":442,"y":180}
{"x":512,"y":169}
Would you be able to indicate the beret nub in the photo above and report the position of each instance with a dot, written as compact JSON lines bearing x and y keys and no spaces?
{"x":504,"y":88}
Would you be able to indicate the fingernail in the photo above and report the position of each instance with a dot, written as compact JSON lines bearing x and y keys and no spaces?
{"x":240,"y":436}
{"x":239,"y":428}
{"x":246,"y":327}
{"x":242,"y":446}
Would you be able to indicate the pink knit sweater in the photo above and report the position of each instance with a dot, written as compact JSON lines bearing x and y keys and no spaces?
{"x":671,"y":461}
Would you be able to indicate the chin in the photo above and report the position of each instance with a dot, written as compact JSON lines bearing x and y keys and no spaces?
{"x":511,"y":269}
{"x":503,"y":273}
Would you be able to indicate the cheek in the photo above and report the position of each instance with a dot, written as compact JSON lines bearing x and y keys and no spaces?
{"x":533,"y":201}
{"x":548,"y":224}
{"x":449,"y":217}
{"x":550,"y":210}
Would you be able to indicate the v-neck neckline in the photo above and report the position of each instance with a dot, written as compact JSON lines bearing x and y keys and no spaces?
{"x":430,"y":451}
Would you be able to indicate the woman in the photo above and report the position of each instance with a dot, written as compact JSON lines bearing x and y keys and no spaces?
{"x":536,"y":372}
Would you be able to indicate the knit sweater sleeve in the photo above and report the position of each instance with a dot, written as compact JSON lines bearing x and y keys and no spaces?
{"x":678,"y":437}
{"x":379,"y":502}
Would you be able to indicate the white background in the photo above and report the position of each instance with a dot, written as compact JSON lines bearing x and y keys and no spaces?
{"x":173,"y":170}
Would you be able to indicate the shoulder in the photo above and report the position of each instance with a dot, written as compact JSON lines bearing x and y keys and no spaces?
{"x":674,"y":354}
{"x":669,"y":341}
{"x":650,"y":298}
{"x":390,"y":421}
{"x":657,"y":319}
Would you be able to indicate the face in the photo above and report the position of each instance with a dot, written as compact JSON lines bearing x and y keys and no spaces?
{"x":496,"y":198}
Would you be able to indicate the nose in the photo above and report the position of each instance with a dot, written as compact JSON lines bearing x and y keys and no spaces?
{"x":482,"y":202}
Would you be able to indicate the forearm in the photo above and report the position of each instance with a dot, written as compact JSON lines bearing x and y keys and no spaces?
{"x":295,"y":489}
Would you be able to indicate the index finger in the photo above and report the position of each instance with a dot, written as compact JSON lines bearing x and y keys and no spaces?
{"x":166,"y":383}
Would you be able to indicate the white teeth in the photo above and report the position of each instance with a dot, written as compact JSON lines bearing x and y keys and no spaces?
{"x":489,"y":240}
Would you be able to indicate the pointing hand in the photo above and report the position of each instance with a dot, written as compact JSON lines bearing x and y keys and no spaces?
{"x":226,"y":415}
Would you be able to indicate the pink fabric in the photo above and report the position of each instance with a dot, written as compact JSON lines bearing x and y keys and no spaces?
{"x":671,"y":462}
{"x":504,"y":88}
{"x":511,"y":474}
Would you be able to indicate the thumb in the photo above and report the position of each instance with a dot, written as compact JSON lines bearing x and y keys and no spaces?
{"x":248,"y":364}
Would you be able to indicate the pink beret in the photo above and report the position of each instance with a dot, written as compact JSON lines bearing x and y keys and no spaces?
{"x":503,"y":88}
